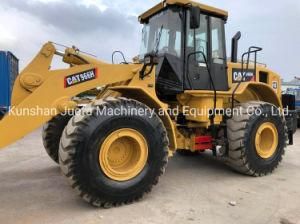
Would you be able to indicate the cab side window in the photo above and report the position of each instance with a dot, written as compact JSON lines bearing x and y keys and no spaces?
{"x":217,"y":36}
{"x":197,"y":39}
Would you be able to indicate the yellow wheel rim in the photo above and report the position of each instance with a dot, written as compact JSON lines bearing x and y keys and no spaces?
{"x":266,"y":140}
{"x":123,"y":154}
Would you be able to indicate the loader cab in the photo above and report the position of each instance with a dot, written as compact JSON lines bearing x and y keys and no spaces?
{"x":187,"y":42}
{"x":205,"y":49}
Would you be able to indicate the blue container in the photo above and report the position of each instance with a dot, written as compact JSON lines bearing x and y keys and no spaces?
{"x":9,"y":70}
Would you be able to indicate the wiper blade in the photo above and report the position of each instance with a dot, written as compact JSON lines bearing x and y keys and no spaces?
{"x":158,"y":39}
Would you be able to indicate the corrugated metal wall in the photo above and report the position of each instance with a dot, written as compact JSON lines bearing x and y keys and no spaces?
{"x":9,"y":70}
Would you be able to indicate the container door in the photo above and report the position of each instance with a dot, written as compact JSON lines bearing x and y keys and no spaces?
{"x":4,"y":82}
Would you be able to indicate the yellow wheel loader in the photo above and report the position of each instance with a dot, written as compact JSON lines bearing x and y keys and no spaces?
{"x":181,"y":94}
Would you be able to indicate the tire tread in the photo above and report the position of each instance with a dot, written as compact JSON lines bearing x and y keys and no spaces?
{"x":71,"y":135}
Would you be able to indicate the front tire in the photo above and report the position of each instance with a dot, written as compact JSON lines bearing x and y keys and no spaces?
{"x":52,"y":132}
{"x":256,"y":141}
{"x":94,"y":153}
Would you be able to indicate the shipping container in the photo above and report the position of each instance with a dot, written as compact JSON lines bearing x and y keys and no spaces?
{"x":9,"y":70}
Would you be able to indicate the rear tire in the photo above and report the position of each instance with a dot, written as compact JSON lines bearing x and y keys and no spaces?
{"x":52,"y":132}
{"x":84,"y":140}
{"x":244,"y":153}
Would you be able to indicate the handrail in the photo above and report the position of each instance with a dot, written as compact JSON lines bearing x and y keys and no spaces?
{"x":251,"y":50}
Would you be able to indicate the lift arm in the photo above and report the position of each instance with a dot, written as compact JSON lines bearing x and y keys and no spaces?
{"x":41,"y":93}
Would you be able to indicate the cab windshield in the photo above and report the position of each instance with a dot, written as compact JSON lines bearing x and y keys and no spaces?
{"x":162,"y":34}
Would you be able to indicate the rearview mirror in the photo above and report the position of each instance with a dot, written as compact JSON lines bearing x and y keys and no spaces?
{"x":195,"y":17}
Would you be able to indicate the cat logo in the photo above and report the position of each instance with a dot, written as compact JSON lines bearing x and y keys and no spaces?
{"x":79,"y":78}
{"x":247,"y":76}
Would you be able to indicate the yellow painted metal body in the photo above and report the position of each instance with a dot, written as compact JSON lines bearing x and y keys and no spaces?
{"x":197,"y":105}
{"x":203,"y":100}
{"x":123,"y":154}
{"x":165,"y":3}
{"x":268,"y":89}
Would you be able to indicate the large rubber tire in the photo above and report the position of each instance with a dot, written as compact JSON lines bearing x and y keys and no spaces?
{"x":52,"y":132}
{"x":81,"y":144}
{"x":241,"y":131}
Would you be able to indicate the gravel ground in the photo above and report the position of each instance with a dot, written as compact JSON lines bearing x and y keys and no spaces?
{"x":193,"y":190}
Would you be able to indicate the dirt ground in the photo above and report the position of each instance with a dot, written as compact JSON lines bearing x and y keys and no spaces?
{"x":193,"y":190}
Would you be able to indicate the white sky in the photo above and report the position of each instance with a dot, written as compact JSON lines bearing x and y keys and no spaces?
{"x":102,"y":26}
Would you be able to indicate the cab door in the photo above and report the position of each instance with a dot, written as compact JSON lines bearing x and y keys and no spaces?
{"x":218,"y":53}
{"x":205,"y":50}
{"x":196,"y":55}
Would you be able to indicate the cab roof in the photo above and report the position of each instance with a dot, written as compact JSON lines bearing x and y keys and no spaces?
{"x":165,"y":3}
